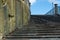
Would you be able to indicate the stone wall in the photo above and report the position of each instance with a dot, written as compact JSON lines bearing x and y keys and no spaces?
{"x":2,"y":22}
{"x":13,"y":14}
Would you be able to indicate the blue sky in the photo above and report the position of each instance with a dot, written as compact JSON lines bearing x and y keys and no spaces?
{"x":40,"y":7}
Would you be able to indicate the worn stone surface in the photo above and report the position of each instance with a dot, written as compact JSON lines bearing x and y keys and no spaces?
{"x":11,"y":16}
{"x":2,"y":22}
{"x":37,"y":39}
{"x":11,"y":12}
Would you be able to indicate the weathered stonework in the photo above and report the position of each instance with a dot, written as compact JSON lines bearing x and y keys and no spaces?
{"x":13,"y":14}
{"x":24,"y":13}
{"x":2,"y":22}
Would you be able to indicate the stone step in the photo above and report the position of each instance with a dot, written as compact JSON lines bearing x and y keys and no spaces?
{"x":32,"y":37}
